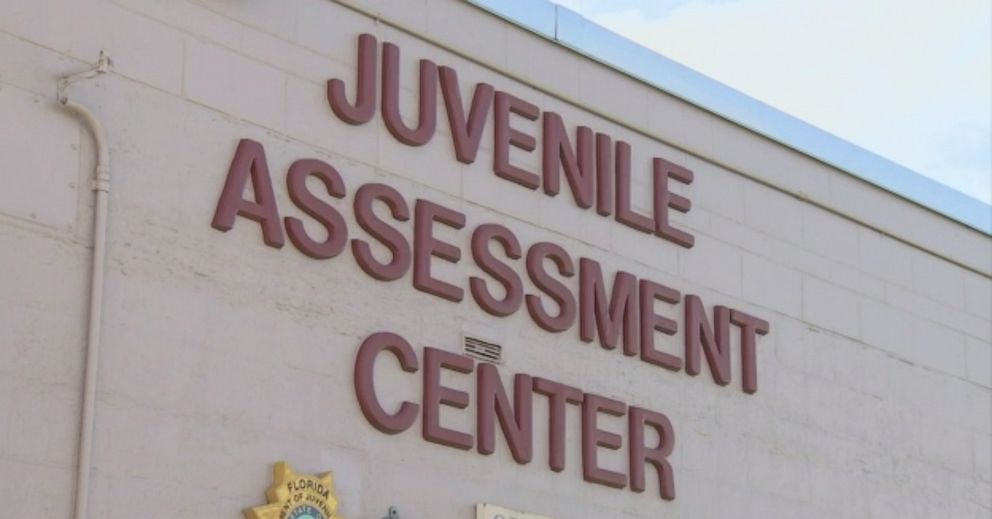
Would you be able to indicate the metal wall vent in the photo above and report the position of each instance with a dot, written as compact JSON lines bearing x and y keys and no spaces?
{"x":482,"y":350}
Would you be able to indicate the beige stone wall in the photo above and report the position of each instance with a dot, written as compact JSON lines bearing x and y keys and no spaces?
{"x":222,"y":355}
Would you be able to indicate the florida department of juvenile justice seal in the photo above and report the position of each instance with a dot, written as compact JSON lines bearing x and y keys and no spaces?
{"x":294,"y":496}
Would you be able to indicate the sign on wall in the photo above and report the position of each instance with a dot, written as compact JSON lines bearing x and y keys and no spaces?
{"x":487,"y":511}
{"x":562,"y":292}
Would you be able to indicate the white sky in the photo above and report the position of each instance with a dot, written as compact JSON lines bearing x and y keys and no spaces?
{"x":910,"y":80}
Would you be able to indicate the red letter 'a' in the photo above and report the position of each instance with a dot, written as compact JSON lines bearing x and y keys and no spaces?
{"x":249,"y":159}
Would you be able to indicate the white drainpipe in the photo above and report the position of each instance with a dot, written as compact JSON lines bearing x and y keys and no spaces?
{"x":101,"y":185}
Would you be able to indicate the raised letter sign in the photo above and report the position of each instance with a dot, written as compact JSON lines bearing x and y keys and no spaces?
{"x":249,"y":160}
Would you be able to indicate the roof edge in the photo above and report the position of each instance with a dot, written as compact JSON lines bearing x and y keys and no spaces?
{"x":572,"y":30}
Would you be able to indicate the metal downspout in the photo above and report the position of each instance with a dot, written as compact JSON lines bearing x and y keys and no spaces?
{"x":101,"y":186}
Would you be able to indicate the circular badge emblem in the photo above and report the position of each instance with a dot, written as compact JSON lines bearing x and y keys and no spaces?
{"x":305,"y":512}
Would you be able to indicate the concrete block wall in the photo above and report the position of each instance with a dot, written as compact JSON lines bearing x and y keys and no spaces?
{"x":222,"y":356}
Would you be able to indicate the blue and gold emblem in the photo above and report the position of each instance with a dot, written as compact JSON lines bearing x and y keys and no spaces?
{"x":295,"y":496}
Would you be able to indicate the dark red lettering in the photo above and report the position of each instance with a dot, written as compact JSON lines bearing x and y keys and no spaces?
{"x":593,"y":438}
{"x":651,"y":322}
{"x":714,"y":342}
{"x":505,"y":136}
{"x":516,"y":422}
{"x":657,"y":456}
{"x":608,"y":317}
{"x":664,"y":200}
{"x":625,"y":214}
{"x":513,"y":288}
{"x":558,"y":396}
{"x":465,"y":133}
{"x":394,"y":240}
{"x":550,"y":286}
{"x":364,"y":108}
{"x":389,"y":423}
{"x":750,"y":327}
{"x":330,"y":218}
{"x":427,"y":99}
{"x":249,"y":161}
{"x":436,"y":395}
{"x":578,"y":164}
{"x":604,"y":174}
{"x":426,"y":246}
